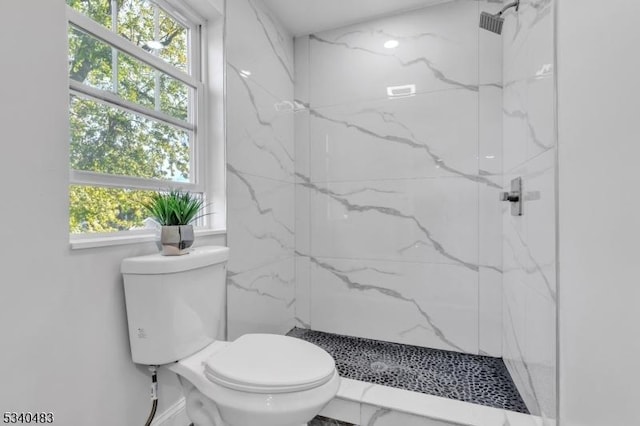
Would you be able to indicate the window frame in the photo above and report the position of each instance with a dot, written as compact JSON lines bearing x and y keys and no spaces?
{"x":198,"y":149}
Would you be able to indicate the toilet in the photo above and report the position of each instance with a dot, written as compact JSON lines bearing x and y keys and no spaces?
{"x":175,"y":313}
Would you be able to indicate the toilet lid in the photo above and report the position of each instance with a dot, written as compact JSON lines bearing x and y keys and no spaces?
{"x":269,"y":363}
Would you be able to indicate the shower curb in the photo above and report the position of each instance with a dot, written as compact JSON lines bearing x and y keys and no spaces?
{"x":362,"y":403}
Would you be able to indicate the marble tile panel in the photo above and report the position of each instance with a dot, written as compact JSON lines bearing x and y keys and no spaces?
{"x":540,"y":203}
{"x":529,"y":289}
{"x":303,"y":292}
{"x":302,"y":137}
{"x":429,"y":407}
{"x":515,"y":125}
{"x":418,"y":220}
{"x":397,"y":407}
{"x":260,"y":129}
{"x":530,"y":239}
{"x":490,"y":214}
{"x":528,"y":120}
{"x":541,"y":295}
{"x":490,"y":312}
{"x":433,"y":305}
{"x":260,"y":220}
{"x":303,"y":219}
{"x":438,"y":49}
{"x":513,"y":345}
{"x":302,"y":70}
{"x":432,"y":134}
{"x":378,"y":416}
{"x":490,"y":133}
{"x":540,"y":115}
{"x":540,"y":350}
{"x":261,"y":300}
{"x":409,"y":402}
{"x":342,"y":410}
{"x":489,"y":49}
{"x":438,"y":409}
{"x":528,"y":40}
{"x":257,"y":43}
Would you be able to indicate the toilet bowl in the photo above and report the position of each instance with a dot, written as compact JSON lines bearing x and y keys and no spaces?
{"x":257,"y":380}
{"x":175,"y":313}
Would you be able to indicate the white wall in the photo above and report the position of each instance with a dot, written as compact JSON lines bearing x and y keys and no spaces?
{"x":599,"y":151}
{"x":62,"y":321}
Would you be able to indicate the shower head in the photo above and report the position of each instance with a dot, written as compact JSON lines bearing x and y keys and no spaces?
{"x":491,"y":22}
{"x":494,"y":23}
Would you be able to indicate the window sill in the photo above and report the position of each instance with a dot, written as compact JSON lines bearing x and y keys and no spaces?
{"x":84,"y":242}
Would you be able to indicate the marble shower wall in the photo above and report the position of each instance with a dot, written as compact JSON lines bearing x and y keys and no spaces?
{"x":398,"y":168}
{"x":260,"y":171}
{"x":529,"y":341}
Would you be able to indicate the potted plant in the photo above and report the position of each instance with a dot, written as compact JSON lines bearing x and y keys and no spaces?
{"x":174,"y":211}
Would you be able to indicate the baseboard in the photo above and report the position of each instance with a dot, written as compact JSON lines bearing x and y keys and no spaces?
{"x":173,"y":416}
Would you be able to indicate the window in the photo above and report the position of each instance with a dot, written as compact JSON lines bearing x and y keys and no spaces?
{"x":135,"y":101}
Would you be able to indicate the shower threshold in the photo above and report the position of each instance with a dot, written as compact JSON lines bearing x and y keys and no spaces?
{"x":391,"y":384}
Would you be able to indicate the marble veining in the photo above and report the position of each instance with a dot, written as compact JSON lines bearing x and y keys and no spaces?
{"x":260,"y":292}
{"x":529,"y":290}
{"x":389,"y":189}
{"x":260,"y":171}
{"x":524,"y":116}
{"x":252,"y":192}
{"x":251,"y":95}
{"x":535,"y":266}
{"x":351,"y":284}
{"x":437,"y":73}
{"x":394,"y":36}
{"x":272,"y":43}
{"x":260,"y":133}
{"x":523,"y":367}
{"x":270,"y":291}
{"x":470,"y":378}
{"x":389,"y":211}
{"x":410,"y":142}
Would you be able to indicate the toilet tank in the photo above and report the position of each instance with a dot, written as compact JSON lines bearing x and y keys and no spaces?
{"x":175,"y":304}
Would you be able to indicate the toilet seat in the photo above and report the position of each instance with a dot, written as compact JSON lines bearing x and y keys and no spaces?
{"x":267,"y":363}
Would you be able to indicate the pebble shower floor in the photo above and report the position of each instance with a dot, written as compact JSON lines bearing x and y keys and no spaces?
{"x":471,"y":378}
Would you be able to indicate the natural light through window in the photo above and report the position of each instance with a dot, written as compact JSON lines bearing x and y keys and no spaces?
{"x":135,"y":101}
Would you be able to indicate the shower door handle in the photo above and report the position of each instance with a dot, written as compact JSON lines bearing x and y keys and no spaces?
{"x":514,"y":197}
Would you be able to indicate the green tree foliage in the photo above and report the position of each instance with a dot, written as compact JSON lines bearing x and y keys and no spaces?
{"x":107,"y":139}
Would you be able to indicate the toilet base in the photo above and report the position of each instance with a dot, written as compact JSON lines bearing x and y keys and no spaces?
{"x":210,"y":404}
{"x":202,"y":411}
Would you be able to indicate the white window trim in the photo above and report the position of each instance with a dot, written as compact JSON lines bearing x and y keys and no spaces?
{"x":199,"y":150}
{"x":128,"y":237}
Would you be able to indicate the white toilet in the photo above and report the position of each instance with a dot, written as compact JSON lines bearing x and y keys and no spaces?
{"x":175,"y":308}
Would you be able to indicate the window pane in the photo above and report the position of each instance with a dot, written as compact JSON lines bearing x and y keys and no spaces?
{"x":90,"y":60}
{"x":95,"y":209}
{"x":91,"y":63}
{"x":98,"y":10}
{"x":144,"y":24}
{"x":109,"y":140}
{"x":151,"y":28}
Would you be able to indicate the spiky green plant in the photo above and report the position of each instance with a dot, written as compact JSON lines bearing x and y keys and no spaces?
{"x":174,"y":207}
